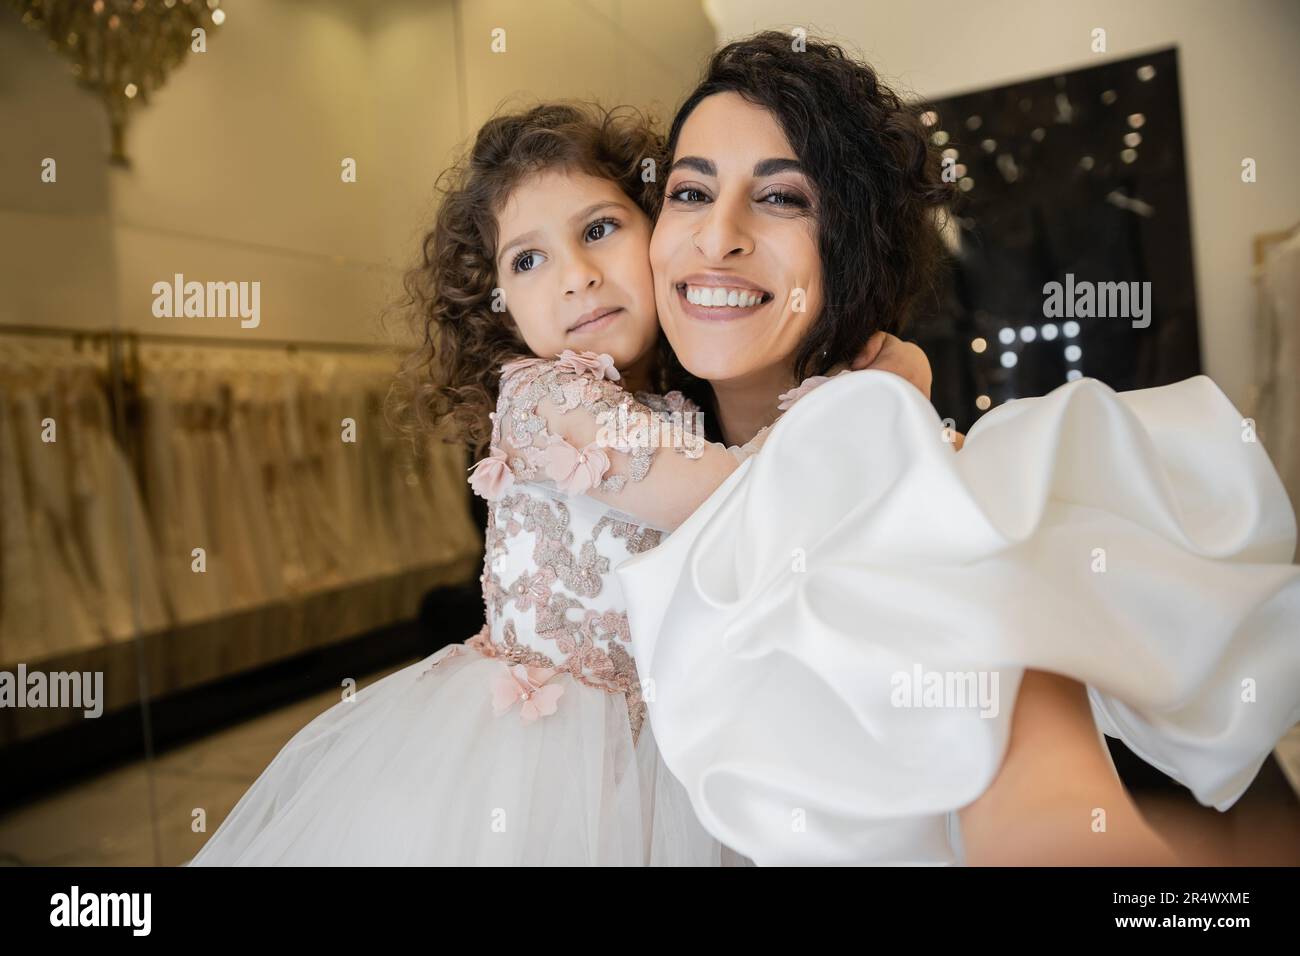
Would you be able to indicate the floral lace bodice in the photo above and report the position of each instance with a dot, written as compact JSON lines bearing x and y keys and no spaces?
{"x":553,"y":603}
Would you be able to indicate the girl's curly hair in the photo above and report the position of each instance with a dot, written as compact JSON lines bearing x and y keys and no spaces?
{"x":453,"y":375}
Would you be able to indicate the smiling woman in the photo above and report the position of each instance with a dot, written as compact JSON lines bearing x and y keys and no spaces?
{"x":857,"y":547}
{"x":801,"y":177}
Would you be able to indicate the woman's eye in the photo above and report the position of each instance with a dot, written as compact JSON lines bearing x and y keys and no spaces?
{"x":524,"y":262}
{"x":782,"y":198}
{"x":601,"y":229}
{"x":688,"y":194}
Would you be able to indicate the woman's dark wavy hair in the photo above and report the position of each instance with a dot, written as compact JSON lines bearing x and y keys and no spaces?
{"x":452,"y":377}
{"x":877,"y":176}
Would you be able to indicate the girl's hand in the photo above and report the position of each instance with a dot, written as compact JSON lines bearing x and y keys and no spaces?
{"x":888,"y":353}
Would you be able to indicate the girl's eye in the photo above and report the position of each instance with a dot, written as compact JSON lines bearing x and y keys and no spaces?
{"x":600,"y":229}
{"x":524,"y":261}
{"x":688,"y":194}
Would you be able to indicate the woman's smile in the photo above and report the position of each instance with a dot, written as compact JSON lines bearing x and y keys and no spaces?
{"x":714,"y":297}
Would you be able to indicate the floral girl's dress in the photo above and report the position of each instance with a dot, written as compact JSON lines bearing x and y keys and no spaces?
{"x":527,"y":744}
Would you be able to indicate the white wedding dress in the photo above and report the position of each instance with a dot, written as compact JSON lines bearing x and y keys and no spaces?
{"x":1138,"y":542}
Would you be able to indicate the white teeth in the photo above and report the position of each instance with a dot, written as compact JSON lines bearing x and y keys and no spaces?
{"x":716,"y":297}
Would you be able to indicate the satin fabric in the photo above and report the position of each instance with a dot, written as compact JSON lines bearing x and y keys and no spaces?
{"x":1138,"y":542}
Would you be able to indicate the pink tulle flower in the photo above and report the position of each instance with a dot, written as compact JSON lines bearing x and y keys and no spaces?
{"x":529,"y":685}
{"x":787,"y":399}
{"x":574,"y":471}
{"x":517,"y":364}
{"x":601,"y":366}
{"x":675,"y":401}
{"x":491,"y":476}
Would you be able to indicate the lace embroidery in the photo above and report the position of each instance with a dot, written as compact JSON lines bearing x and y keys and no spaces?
{"x":613,"y":671}
{"x":511,"y":649}
{"x":639,"y":539}
{"x":525,"y":385}
{"x":591,"y":646}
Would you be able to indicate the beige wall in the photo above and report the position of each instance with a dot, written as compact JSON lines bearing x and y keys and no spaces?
{"x":236,"y":164}
{"x":1240,"y":68}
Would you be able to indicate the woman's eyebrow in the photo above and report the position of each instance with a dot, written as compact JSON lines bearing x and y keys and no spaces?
{"x":698,"y":163}
{"x":770,"y":167}
{"x":764,"y":167}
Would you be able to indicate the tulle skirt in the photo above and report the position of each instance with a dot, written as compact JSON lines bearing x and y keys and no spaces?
{"x":417,"y":769}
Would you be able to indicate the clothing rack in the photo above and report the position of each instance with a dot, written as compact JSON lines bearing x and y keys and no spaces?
{"x":1264,"y":241}
{"x":123,"y":350}
{"x":193,"y":653}
{"x":134,"y":336}
{"x":1272,"y":399}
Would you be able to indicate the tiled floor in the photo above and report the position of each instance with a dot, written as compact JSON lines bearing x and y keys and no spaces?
{"x":106,"y":821}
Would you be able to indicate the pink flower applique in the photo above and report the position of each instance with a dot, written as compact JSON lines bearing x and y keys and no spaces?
{"x":533,"y":590}
{"x":491,"y":476}
{"x":601,"y":366}
{"x":527,"y":684}
{"x":574,"y":471}
{"x":787,"y":399}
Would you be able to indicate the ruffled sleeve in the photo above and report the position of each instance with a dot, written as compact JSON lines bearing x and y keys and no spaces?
{"x":834,"y":641}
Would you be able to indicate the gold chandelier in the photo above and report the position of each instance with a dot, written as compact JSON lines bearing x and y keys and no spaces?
{"x":122,"y":50}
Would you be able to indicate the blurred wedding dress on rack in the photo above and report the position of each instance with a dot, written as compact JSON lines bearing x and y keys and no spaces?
{"x":68,"y":506}
{"x":277,"y":464}
{"x":1275,"y":395}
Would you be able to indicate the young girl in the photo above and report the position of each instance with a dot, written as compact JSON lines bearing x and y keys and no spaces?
{"x":528,"y":743}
